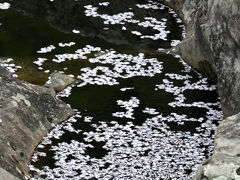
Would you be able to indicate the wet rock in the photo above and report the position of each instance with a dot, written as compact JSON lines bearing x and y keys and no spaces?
{"x":60,"y":81}
{"x":27,"y":112}
{"x":225,"y":162}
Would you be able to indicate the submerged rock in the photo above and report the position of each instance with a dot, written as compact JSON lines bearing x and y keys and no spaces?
{"x":27,"y":112}
{"x":225,"y":162}
{"x":60,"y":81}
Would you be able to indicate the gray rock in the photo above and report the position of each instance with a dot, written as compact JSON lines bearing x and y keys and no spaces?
{"x":225,"y":162}
{"x":212,"y":44}
{"x":27,"y":113}
{"x":60,"y":81}
{"x":4,"y":175}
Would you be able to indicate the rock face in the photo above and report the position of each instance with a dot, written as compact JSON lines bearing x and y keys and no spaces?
{"x":213,"y":47}
{"x":213,"y":44}
{"x":27,"y":112}
{"x":225,"y":162}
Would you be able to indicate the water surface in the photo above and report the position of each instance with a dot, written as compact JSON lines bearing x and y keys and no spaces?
{"x":140,"y":113}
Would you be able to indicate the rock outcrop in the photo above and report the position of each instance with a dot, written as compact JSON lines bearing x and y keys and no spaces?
{"x":225,"y":162}
{"x":212,"y":46}
{"x":60,"y":81}
{"x":27,"y":112}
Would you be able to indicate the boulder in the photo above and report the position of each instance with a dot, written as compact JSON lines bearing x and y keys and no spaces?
{"x":59,"y":81}
{"x":225,"y":162}
{"x":27,"y":113}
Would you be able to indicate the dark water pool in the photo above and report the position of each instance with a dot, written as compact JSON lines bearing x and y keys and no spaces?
{"x":140,"y":113}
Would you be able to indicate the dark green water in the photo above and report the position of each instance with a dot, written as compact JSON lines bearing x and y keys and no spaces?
{"x":141,"y":114}
{"x":22,"y":39}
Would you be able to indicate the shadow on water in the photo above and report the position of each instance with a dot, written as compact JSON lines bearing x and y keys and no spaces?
{"x":22,"y":39}
{"x":66,"y":18}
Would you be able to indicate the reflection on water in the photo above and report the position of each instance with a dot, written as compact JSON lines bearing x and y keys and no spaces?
{"x":127,"y":22}
{"x":140,"y":114}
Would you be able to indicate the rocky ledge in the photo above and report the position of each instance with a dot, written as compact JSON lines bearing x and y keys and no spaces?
{"x":27,"y":112}
{"x":212,"y":46}
{"x":225,"y":162}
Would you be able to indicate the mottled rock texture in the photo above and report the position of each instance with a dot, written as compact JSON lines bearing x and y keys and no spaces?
{"x":27,"y":112}
{"x":212,"y":46}
{"x":60,"y":81}
{"x":225,"y":162}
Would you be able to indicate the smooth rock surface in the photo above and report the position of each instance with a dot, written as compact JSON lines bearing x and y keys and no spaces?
{"x":60,"y":81}
{"x":27,"y":112}
{"x":4,"y":175}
